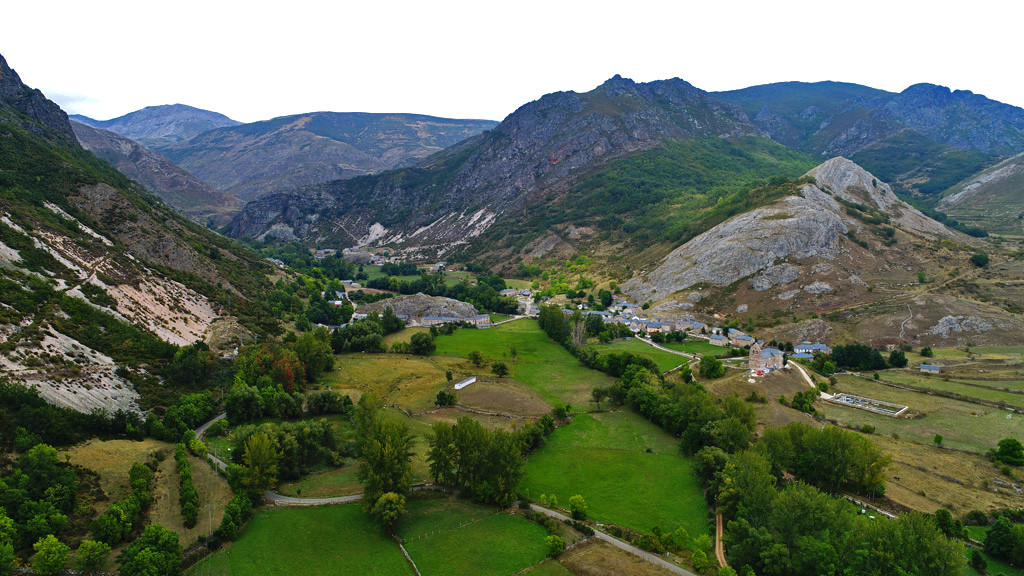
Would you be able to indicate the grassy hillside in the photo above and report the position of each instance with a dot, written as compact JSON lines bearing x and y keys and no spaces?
{"x":667,"y":194}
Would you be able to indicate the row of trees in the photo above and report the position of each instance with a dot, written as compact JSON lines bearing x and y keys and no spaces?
{"x":246,"y":403}
{"x":485,"y":465}
{"x":117,"y":522}
{"x":484,"y":295}
{"x":188,"y":496}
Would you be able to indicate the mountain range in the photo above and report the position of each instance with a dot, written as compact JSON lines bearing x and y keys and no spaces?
{"x":157,"y":127}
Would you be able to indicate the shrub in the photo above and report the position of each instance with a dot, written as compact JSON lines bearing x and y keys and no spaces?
{"x":980,"y":260}
{"x":555,"y":545}
{"x":578,"y":507}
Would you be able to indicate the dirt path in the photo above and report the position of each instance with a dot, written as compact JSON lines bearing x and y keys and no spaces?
{"x":669,"y":350}
{"x":719,"y":546}
{"x":810,"y":382}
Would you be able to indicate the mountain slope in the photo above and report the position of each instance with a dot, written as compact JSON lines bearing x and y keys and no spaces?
{"x":841,"y":245}
{"x":157,"y":127}
{"x":100,"y":281}
{"x":182,"y":191}
{"x":250,"y":160}
{"x":536,"y":153}
{"x":992,"y":199}
{"x":31,"y":109}
{"x":925,"y":138}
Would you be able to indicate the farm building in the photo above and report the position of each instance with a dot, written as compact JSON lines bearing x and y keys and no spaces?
{"x":808,"y":348}
{"x":931,"y":368}
{"x":718,"y":340}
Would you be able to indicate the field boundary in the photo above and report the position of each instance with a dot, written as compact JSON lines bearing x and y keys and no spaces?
{"x":946,"y":394}
{"x":463,"y":525}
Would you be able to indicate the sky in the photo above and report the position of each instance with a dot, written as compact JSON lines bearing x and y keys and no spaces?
{"x":483,"y":59}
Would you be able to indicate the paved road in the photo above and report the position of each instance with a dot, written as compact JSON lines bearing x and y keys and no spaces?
{"x":652,"y":558}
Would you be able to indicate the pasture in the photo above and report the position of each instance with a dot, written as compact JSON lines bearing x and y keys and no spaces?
{"x":628,"y":470}
{"x":539,"y":363}
{"x":963,"y":425}
{"x":699,"y":347}
{"x":665,"y":360}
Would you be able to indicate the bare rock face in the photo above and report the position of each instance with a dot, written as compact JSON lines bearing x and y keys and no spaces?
{"x":760,"y":243}
{"x":775,"y":276}
{"x":422,"y":305}
{"x":795,"y":227}
{"x":32,"y":103}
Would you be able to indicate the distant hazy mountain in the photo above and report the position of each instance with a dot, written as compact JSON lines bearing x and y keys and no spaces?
{"x":925,"y":138}
{"x":524,"y":164}
{"x":250,"y":160}
{"x":182,"y":191}
{"x":157,"y":127}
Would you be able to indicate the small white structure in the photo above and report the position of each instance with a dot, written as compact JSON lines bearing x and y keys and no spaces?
{"x":931,"y":368}
{"x":466,"y":382}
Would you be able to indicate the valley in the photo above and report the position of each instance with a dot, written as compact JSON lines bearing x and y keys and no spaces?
{"x":640,"y":329}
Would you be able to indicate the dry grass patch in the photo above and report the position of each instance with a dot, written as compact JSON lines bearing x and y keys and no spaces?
{"x":214,"y":495}
{"x":506,"y":396}
{"x":452,"y":415}
{"x":771,"y":414}
{"x":597,"y":558}
{"x":111,"y":459}
{"x":411,"y":382}
{"x":931,"y":478}
{"x":404,"y":335}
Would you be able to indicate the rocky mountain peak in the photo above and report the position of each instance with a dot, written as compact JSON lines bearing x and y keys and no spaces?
{"x":32,"y":103}
{"x":847,"y":180}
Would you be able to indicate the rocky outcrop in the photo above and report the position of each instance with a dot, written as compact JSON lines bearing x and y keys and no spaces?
{"x":536,"y":151}
{"x":991,"y":199}
{"x":161,"y":126}
{"x":48,"y":119}
{"x":251,"y":160}
{"x":420,"y":305}
{"x":182,"y":191}
{"x":764,"y":242}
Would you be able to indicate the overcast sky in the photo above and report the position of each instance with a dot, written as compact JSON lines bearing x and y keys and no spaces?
{"x":483,"y":59}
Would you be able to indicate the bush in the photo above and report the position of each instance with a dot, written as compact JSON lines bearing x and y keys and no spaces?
{"x":578,"y":507}
{"x":555,"y":545}
{"x":980,"y":260}
{"x":927,"y":352}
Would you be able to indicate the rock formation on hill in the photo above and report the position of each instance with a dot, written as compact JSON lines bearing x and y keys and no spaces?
{"x":420,"y":305}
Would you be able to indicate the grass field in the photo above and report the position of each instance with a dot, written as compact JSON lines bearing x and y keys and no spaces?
{"x":329,"y":483}
{"x":443,"y":536}
{"x":403,"y":335}
{"x":214,"y":495}
{"x":963,"y":388}
{"x":409,"y":381}
{"x":698,"y":347}
{"x":963,"y":425}
{"x":111,"y":459}
{"x":604,"y":457}
{"x":498,"y":545}
{"x":549,"y":567}
{"x":665,"y":360}
{"x":332,"y":540}
{"x":540,"y":363}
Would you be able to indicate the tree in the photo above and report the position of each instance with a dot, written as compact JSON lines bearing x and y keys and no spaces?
{"x":978,"y":561}
{"x":261,"y":456}
{"x":314,"y":351}
{"x":477,"y":358}
{"x":980,"y":260}
{"x":243,"y":403}
{"x":700,"y":561}
{"x":599,"y":394}
{"x":6,"y":558}
{"x":927,"y":352}
{"x":386,"y":461}
{"x":937,"y":439}
{"x":897,"y":359}
{"x":578,"y":507}
{"x":1010,"y":451}
{"x":51,"y":555}
{"x":422,"y":344}
{"x":555,"y":545}
{"x":155,"y":553}
{"x":499,"y":369}
{"x":388,"y":511}
{"x":711,"y":367}
{"x":92,"y":556}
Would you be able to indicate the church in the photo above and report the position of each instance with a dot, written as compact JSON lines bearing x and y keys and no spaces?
{"x":765,"y":359}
